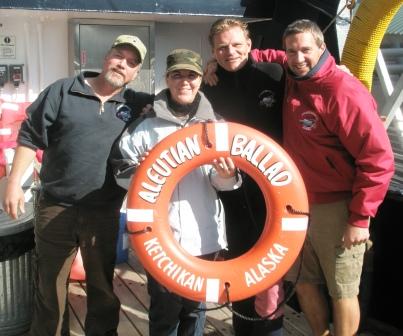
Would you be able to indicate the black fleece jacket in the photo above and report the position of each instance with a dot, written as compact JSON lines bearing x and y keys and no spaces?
{"x":253,"y":97}
{"x":76,"y":133}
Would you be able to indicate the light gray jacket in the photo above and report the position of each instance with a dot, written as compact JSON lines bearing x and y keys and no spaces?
{"x":196,"y":214}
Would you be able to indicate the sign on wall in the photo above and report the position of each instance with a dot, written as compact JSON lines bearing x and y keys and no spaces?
{"x":7,"y":46}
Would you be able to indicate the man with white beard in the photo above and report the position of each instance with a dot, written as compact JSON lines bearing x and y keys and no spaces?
{"x":75,"y":121}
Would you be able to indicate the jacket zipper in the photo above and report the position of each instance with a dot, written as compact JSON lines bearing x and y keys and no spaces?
{"x":101,"y":107}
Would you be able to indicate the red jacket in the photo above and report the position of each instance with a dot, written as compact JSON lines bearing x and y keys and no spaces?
{"x":334,"y":134}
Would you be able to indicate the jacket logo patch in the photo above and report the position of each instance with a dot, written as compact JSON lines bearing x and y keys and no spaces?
{"x":266,"y":99}
{"x":124,"y":113}
{"x":309,"y":120}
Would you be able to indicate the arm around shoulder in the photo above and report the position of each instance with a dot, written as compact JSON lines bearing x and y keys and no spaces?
{"x":127,"y":153}
{"x":269,"y":55}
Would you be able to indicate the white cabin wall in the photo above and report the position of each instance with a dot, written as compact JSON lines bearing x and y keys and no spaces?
{"x":10,"y":26}
{"x":42,"y":44}
{"x":169,"y":36}
{"x":55,"y":40}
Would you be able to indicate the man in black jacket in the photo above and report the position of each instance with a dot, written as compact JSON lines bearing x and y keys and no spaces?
{"x":75,"y":121}
{"x":251,"y":94}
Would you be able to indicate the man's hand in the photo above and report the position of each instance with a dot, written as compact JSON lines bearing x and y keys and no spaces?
{"x":344,"y":68}
{"x":354,"y":235}
{"x":14,"y":201}
{"x":225,"y":167}
{"x":209,"y":75}
{"x":143,"y":157}
{"x":146,"y":109}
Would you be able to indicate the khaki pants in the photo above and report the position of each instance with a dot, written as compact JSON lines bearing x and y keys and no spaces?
{"x":324,"y":259}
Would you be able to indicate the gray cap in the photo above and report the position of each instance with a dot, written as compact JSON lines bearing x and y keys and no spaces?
{"x":133,"y":41}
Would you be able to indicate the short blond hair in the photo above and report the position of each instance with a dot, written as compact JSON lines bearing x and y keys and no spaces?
{"x":225,"y":24}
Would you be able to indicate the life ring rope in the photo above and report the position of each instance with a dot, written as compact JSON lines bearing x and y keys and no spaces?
{"x":274,"y":252}
{"x":365,"y":36}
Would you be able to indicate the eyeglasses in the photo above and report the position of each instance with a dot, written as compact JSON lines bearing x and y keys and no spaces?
{"x":190,"y":77}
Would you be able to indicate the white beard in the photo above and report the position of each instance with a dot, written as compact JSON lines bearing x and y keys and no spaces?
{"x":114,"y":79}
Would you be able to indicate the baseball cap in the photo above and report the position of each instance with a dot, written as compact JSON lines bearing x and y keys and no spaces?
{"x":184,"y":59}
{"x":133,"y":41}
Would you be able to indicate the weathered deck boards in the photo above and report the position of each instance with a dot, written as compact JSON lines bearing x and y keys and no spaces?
{"x":130,"y":286}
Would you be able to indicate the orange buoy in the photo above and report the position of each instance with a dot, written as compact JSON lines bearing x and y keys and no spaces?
{"x":77,"y":271}
{"x":217,"y":281}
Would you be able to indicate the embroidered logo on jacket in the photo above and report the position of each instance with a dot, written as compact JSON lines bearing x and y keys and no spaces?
{"x":308,"y":120}
{"x":267,"y":99}
{"x":124,"y":113}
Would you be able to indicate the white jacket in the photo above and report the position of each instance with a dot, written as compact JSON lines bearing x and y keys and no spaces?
{"x":196,"y":215}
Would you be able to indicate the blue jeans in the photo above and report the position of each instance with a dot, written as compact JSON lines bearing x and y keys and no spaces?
{"x":173,"y":315}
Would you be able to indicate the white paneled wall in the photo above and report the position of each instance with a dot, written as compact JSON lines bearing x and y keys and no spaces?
{"x":170,"y":36}
{"x":42,"y":45}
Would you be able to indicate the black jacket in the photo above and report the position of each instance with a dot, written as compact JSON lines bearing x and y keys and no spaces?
{"x":253,"y":97}
{"x":76,"y":133}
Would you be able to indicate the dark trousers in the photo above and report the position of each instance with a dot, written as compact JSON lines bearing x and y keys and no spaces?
{"x":171,"y":314}
{"x":59,"y":231}
{"x":245,"y":212}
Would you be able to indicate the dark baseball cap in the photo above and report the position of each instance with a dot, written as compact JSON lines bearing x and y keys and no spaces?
{"x":184,"y":59}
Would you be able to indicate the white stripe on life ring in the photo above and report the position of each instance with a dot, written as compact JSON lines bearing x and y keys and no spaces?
{"x":221,"y":135}
{"x":140,"y":215}
{"x":5,"y":131}
{"x":212,"y":290}
{"x":294,"y":224}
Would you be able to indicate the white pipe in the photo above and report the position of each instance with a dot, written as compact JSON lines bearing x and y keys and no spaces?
{"x":28,"y":78}
{"x":391,"y":108}
{"x":39,"y":30}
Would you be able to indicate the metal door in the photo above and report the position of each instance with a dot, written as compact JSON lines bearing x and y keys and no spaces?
{"x":90,"y":39}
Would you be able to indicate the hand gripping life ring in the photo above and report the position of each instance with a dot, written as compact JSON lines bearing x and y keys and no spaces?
{"x":220,"y":281}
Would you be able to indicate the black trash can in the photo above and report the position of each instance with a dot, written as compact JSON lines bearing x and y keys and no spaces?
{"x":386,"y":303}
{"x":16,"y":280}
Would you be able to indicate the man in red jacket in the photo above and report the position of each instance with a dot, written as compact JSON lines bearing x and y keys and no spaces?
{"x":334,"y":134}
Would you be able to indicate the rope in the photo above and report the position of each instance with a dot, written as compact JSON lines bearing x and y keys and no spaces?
{"x":350,"y":4}
{"x":365,"y":36}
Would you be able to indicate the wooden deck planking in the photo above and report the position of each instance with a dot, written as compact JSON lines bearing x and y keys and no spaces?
{"x":295,"y":323}
{"x":130,"y":286}
{"x":133,"y":275}
{"x":133,"y":296}
{"x":78,"y":308}
{"x":77,"y":299}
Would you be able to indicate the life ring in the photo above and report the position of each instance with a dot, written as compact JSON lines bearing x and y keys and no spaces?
{"x":365,"y":36}
{"x":274,"y":252}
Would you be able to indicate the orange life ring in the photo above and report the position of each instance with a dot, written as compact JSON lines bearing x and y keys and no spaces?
{"x":271,"y":256}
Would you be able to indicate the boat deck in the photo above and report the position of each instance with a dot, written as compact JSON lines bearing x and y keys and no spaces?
{"x":130,"y":286}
